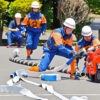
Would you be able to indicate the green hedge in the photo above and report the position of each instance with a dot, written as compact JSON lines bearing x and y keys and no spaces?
{"x":94,"y":5}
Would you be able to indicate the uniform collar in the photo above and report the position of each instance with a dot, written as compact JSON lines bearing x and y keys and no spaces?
{"x":64,"y":35}
{"x":62,"y":30}
{"x":16,"y":23}
{"x":89,"y":42}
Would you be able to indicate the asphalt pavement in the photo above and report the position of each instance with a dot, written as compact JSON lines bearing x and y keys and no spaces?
{"x":66,"y":87}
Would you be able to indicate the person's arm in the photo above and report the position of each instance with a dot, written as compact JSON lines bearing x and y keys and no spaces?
{"x":23,"y":29}
{"x":58,"y":41}
{"x":25,"y":21}
{"x":10,"y":29}
{"x":77,"y":59}
{"x":96,"y":42}
{"x":43,"y":24}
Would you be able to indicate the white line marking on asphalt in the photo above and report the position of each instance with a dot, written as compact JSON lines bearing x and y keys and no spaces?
{"x":83,"y":94}
{"x":51,"y":94}
{"x":10,"y":95}
{"x":74,"y":94}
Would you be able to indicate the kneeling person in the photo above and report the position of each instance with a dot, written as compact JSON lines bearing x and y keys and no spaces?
{"x":59,"y":43}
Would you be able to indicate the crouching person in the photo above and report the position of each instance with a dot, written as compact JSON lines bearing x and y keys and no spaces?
{"x":86,"y":42}
{"x":15,"y":31}
{"x":59,"y":43}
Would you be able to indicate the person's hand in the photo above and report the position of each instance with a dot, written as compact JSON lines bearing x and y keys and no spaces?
{"x":74,"y":53}
{"x":20,"y":36}
{"x":17,"y":29}
{"x":79,"y":54}
{"x":23,"y":33}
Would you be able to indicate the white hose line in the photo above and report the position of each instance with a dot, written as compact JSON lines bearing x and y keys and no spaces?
{"x":26,"y":73}
{"x":30,"y":82}
{"x":49,"y":88}
{"x":60,"y":96}
{"x":19,"y":89}
{"x":56,"y":69}
{"x":16,"y":60}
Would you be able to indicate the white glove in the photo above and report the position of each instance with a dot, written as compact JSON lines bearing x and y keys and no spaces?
{"x":23,"y":33}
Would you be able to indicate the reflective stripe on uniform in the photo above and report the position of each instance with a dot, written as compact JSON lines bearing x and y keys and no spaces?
{"x":48,"y":46}
{"x":80,"y":45}
{"x":34,"y":23}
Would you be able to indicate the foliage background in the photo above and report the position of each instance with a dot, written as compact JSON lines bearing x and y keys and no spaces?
{"x":21,"y":6}
{"x":48,"y":7}
{"x":94,"y":5}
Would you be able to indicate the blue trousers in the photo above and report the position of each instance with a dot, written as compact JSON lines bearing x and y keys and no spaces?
{"x":14,"y":38}
{"x":48,"y":56}
{"x":32,"y":40}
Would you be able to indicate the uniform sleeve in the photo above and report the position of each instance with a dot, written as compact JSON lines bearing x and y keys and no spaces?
{"x":25,"y":21}
{"x":70,"y":41}
{"x":77,"y":49}
{"x":58,"y":41}
{"x":43,"y":23}
{"x":57,"y":38}
{"x":96,"y":42}
{"x":11,"y":24}
{"x":43,"y":19}
{"x":44,"y":26}
{"x":17,"y":33}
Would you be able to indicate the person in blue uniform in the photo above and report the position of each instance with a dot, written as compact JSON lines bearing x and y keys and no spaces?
{"x":15,"y":31}
{"x":36,"y":24}
{"x":87,"y":41}
{"x":59,"y":43}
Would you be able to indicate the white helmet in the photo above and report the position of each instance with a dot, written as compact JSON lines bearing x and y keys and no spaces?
{"x":86,"y":31}
{"x":35,"y":4}
{"x":69,"y":22}
{"x":18,"y":15}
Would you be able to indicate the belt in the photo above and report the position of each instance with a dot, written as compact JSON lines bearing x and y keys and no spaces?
{"x":33,"y":27}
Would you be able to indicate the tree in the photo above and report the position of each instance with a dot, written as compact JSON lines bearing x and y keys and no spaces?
{"x":21,"y":6}
{"x":56,"y":22}
{"x":76,"y":9}
{"x":94,"y":5}
{"x":3,"y":8}
{"x":47,"y":10}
